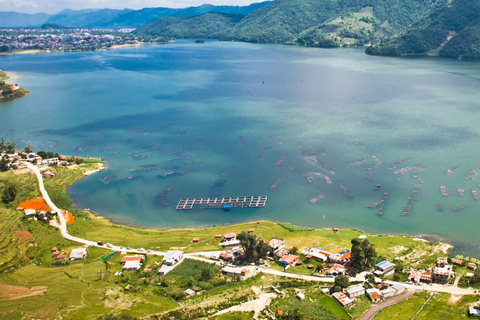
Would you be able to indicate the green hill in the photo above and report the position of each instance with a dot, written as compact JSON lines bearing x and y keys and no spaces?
{"x":208,"y":25}
{"x":324,"y":23}
{"x":450,"y":29}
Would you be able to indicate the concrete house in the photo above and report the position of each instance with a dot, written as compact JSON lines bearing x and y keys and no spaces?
{"x":385,"y":268}
{"x":78,"y":254}
{"x":172,"y":257}
{"x":355,"y":291}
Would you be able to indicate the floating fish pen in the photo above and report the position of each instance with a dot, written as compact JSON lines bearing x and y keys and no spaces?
{"x":451,"y":169}
{"x":411,"y":199}
{"x":275,"y":184}
{"x":304,"y":152}
{"x":260,"y":155}
{"x":315,"y":199}
{"x":396,"y":163}
{"x":306,"y":176}
{"x":344,"y":189}
{"x":440,"y":207}
{"x":242,"y":140}
{"x":471,"y":173}
{"x":444,"y":192}
{"x":322,"y":152}
{"x":474,"y":194}
{"x":327,"y":178}
{"x":358,"y":160}
{"x":272,"y":138}
{"x":162,"y":199}
{"x":279,"y":161}
{"x":460,"y":208}
{"x":217,"y":188}
{"x":219,"y":203}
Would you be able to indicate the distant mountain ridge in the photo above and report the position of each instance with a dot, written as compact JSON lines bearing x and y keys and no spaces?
{"x":112,"y":18}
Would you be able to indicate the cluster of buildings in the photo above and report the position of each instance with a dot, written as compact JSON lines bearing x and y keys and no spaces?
{"x":169,"y":262}
{"x":375,"y":294}
{"x":54,"y":39}
{"x":442,"y":272}
{"x":75,"y":254}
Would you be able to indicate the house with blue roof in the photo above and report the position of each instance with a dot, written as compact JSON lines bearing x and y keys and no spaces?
{"x":384,"y":268}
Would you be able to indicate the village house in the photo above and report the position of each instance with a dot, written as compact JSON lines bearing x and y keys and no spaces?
{"x":472,"y":266}
{"x":288,"y":260}
{"x":132,"y":265}
{"x":336,"y":270}
{"x":172,"y":257}
{"x":355,"y":291}
{"x":78,"y":254}
{"x":385,"y":268}
{"x":125,"y":259}
{"x":457,"y":262}
{"x":388,"y":292}
{"x":30,"y":212}
{"x":317,"y":254}
{"x":341,"y":258}
{"x":374,"y":294}
{"x":342,"y":299}
{"x":240,"y":273}
{"x":442,"y":272}
{"x":419,"y":275}
{"x":276,"y":244}
{"x":398,"y":288}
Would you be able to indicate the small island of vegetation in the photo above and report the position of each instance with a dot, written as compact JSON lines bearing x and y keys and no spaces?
{"x":8,"y":90}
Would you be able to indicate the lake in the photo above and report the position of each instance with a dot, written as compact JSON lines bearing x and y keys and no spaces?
{"x":230,"y":119}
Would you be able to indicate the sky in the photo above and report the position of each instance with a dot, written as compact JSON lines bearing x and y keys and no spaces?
{"x":54,"y":6}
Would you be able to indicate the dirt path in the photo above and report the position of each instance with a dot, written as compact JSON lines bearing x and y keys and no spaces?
{"x":256,"y":305}
{"x":372,"y":312}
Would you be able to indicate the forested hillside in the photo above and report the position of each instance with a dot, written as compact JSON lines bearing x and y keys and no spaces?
{"x":451,"y":29}
{"x":324,"y":23}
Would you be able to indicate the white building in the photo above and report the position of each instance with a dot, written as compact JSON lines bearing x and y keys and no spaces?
{"x":30,"y":212}
{"x":355,"y":291}
{"x":78,"y":254}
{"x":172,"y":257}
{"x":132,"y":265}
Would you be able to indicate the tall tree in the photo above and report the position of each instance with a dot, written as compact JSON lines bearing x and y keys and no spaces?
{"x":28,"y":148}
{"x":342,"y":281}
{"x":4,"y":164}
{"x":9,"y":147}
{"x":363,"y":253}
{"x":253,"y":248}
{"x":2,"y":145}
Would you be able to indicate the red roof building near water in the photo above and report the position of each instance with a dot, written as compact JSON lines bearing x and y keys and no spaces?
{"x":229,"y":235}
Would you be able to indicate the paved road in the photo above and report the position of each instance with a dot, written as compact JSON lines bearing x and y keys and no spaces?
{"x":63,"y":224}
{"x":372,"y":312}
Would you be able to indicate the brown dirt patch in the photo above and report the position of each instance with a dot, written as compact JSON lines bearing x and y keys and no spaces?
{"x":24,"y":236}
{"x":9,"y":293}
{"x":37,"y":204}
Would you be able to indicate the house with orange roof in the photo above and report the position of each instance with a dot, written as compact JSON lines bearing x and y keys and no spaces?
{"x":132,"y":258}
{"x":342,"y":298}
{"x":289,"y":260}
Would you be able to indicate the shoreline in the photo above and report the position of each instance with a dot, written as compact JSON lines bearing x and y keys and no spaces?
{"x":444,"y":245}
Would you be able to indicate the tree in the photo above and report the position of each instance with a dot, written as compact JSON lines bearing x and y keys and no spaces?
{"x":28,"y":148}
{"x":7,"y":90}
{"x":9,"y":147}
{"x":370,"y":278}
{"x":9,"y":193}
{"x":4,"y":164}
{"x":363,"y":253}
{"x":2,"y":145}
{"x":294,"y":250}
{"x":253,"y":248}
{"x":342,"y":281}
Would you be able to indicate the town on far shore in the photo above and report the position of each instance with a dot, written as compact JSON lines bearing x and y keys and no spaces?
{"x":356,"y":270}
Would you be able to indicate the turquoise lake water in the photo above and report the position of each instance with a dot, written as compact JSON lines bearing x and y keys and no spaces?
{"x":229,"y":111}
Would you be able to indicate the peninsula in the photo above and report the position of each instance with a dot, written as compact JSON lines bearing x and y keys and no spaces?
{"x":71,"y":263}
{"x":8,"y":90}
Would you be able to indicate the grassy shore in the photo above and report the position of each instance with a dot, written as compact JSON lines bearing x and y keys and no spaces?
{"x":34,"y":285}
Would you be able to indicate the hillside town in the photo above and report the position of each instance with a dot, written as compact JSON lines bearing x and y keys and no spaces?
{"x":51,"y":40}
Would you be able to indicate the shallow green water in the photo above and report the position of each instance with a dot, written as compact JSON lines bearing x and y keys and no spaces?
{"x":153,"y":104}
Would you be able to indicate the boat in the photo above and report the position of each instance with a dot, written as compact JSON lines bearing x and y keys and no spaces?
{"x":451,"y":170}
{"x":377,"y":186}
{"x":440,"y":207}
{"x":460,"y":192}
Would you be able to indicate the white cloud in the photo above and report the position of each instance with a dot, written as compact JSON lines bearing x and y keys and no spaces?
{"x":54,"y":6}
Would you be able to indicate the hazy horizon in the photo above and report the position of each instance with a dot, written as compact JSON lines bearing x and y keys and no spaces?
{"x":56,"y":6}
